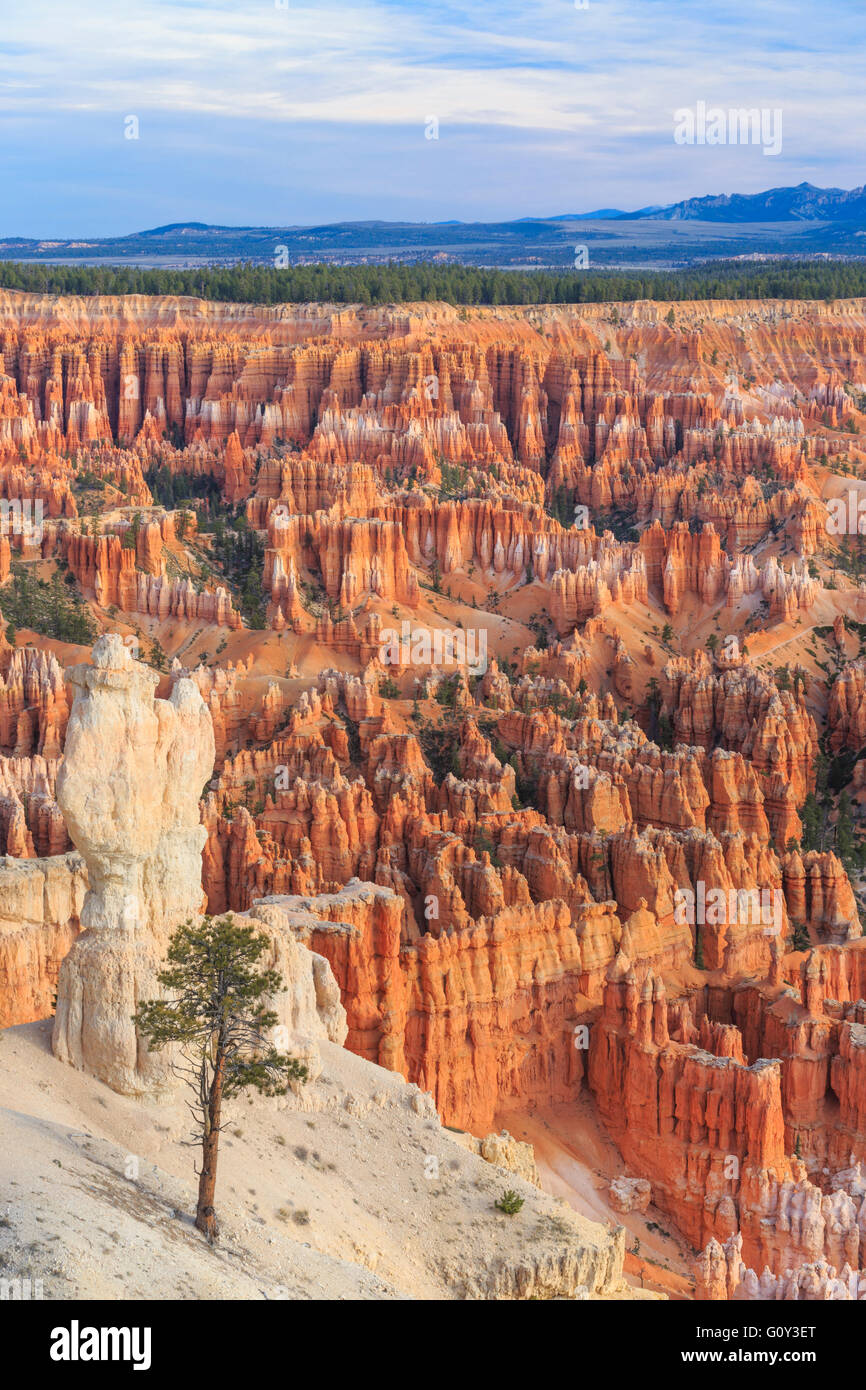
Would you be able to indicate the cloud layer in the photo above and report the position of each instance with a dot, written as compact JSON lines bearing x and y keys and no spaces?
{"x":251,"y":111}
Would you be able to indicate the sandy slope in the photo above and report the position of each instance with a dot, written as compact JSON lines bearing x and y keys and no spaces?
{"x":576,"y":1160}
{"x":322,"y":1196}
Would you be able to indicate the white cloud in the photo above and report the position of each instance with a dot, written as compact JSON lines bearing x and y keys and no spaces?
{"x":593,"y":89}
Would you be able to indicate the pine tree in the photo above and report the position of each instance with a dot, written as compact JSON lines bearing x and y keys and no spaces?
{"x":812,"y":820}
{"x":158,"y":658}
{"x":699,"y":948}
{"x":844,"y":829}
{"x":665,"y":734}
{"x":219,"y":1023}
{"x":130,"y":536}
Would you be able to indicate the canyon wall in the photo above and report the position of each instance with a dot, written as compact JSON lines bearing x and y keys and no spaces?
{"x":528,"y":870}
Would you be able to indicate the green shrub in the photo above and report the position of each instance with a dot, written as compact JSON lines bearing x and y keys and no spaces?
{"x":509,"y":1202}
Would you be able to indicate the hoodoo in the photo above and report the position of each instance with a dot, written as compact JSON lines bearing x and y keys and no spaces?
{"x":127,"y":789}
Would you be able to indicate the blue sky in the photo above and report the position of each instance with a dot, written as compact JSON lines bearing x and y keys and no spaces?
{"x":256,"y":112}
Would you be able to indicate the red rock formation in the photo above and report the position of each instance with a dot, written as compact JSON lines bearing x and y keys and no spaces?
{"x":496,"y":865}
{"x":34,"y":709}
{"x":40,"y":904}
{"x":107,"y":569}
{"x":846,"y":715}
{"x":31,"y":822}
{"x":720,"y":1274}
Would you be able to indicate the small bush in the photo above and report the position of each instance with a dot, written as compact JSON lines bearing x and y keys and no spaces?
{"x":509,"y":1202}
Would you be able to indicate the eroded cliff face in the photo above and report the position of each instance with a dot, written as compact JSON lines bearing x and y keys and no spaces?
{"x":329,"y":446}
{"x":127,"y":791}
{"x":846,"y":715}
{"x":515,"y":724}
{"x":720,"y":1274}
{"x":464,"y":915}
{"x":40,"y":917}
{"x":735,"y":1147}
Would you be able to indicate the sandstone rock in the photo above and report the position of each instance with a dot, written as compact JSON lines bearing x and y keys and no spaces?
{"x":40,"y":912}
{"x":629,"y":1194}
{"x":128,"y":792}
{"x":508,"y":1153}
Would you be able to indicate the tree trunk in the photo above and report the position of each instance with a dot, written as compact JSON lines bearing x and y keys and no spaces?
{"x":205,"y":1215}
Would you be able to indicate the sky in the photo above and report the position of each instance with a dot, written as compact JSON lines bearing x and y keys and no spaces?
{"x":260,"y":112}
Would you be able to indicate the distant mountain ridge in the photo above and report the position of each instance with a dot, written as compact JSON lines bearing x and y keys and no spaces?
{"x":804,"y":203}
{"x":801,"y":221}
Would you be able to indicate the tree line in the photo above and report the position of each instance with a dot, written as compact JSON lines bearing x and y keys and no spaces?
{"x":453,"y":284}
